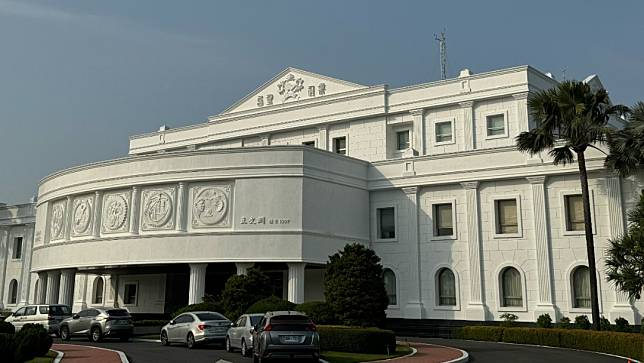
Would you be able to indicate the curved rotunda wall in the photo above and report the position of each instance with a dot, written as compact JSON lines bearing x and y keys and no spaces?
{"x":225,"y":205}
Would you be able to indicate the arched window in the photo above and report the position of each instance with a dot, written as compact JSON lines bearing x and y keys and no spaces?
{"x":581,"y":287}
{"x":389,"y":278}
{"x":97,"y":291}
{"x":13,"y":292}
{"x":446,"y":288}
{"x":511,"y":287}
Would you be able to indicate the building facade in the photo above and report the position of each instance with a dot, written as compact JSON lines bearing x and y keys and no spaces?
{"x":467,"y":227}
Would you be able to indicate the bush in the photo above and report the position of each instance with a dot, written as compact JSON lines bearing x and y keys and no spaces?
{"x":272,"y":303}
{"x":508,"y":319}
{"x":487,"y":333}
{"x":7,"y":347}
{"x":32,"y":341}
{"x":242,"y":291}
{"x":197,"y":307}
{"x":531,"y":336}
{"x":604,"y":324}
{"x":544,"y":321}
{"x":7,"y":328}
{"x":621,"y":325}
{"x":319,"y":311}
{"x":356,"y":340}
{"x":582,"y":322}
{"x":564,"y":323}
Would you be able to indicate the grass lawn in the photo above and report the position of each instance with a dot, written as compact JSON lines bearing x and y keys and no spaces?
{"x":342,"y":357}
{"x":46,"y":359}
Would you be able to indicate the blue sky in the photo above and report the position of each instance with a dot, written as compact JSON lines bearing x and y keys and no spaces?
{"x":77,"y":78}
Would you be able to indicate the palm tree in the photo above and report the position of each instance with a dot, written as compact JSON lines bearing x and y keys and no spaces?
{"x":627,"y":145}
{"x":571,"y":118}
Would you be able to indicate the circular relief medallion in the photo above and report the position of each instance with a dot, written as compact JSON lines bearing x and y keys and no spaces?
{"x":57,"y":216}
{"x":115,"y":213}
{"x":158,"y":209}
{"x":210,"y":206}
{"x":82,"y":216}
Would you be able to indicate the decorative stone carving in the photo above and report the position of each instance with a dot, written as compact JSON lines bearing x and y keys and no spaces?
{"x":58,"y":221}
{"x":290,"y":88}
{"x":210,"y":206}
{"x":269,"y":99}
{"x":116,"y":212}
{"x":260,"y":101}
{"x":82,"y":213}
{"x":158,"y":209}
{"x":322,"y":89}
{"x":311,"y":91}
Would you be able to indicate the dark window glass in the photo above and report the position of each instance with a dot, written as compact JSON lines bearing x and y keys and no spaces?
{"x":386,"y":223}
{"x":210,"y":316}
{"x":30,"y":310}
{"x":44,"y":309}
{"x":254,"y":320}
{"x":60,"y":310}
{"x":340,"y":145}
{"x":19,"y":312}
{"x":443,"y":224}
{"x":309,"y":143}
{"x":129,"y":297}
{"x":118,"y":312}
{"x":17,"y":248}
{"x":389,"y":279}
{"x":402,"y":138}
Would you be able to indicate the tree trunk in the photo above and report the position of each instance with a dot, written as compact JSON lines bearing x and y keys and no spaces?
{"x":590,"y":245}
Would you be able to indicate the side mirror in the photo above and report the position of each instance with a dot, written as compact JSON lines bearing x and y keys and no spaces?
{"x":76,"y":316}
{"x":233,"y":325}
{"x":172,"y":322}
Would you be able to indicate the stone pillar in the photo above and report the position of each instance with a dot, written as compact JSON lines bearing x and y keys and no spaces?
{"x":111,"y":283}
{"x":623,"y":306}
{"x":296,"y":282}
{"x":53,"y":283}
{"x":4,"y":238}
{"x":542,"y":247}
{"x":80,"y":292}
{"x":135,"y":212}
{"x":25,"y":278}
{"x":197,"y":288}
{"x":41,"y":294}
{"x":418,"y":136}
{"x":98,"y":211}
{"x":522,"y":110}
{"x":68,"y":219}
{"x":476,"y":308}
{"x":469,"y":128}
{"x":414,"y":306}
{"x":243,"y":267}
{"x":66,"y":292}
{"x":181,"y":208}
{"x":323,"y":137}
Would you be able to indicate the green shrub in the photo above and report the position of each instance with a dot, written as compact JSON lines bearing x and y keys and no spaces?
{"x":198,"y":307}
{"x":356,"y":340}
{"x":544,"y":321}
{"x":582,"y":322}
{"x":272,"y":303}
{"x":7,"y":328}
{"x":319,"y":311}
{"x":564,"y":323}
{"x":488,"y":333}
{"x":7,"y":347}
{"x":621,"y":325}
{"x":32,"y":341}
{"x":508,"y":319}
{"x":604,"y":324}
{"x":531,"y":336}
{"x":242,"y":291}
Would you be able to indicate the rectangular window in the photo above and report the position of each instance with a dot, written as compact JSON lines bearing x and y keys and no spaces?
{"x":496,"y":125}
{"x":340,"y":145}
{"x":386,"y":223}
{"x":574,"y":213}
{"x":443,"y":223}
{"x":17,"y":248}
{"x":402,"y":138}
{"x":506,"y":216}
{"x":443,"y":131}
{"x":129,"y":295}
{"x":309,"y":143}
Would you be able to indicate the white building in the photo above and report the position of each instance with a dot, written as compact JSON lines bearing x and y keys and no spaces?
{"x":427,"y":175}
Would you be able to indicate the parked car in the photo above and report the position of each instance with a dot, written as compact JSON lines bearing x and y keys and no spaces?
{"x":97,"y":323}
{"x":195,"y":327}
{"x":49,"y":316}
{"x":285,"y":334}
{"x":240,"y":334}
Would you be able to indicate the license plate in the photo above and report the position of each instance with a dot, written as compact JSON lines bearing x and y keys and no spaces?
{"x":290,"y":338}
{"x":215,"y":330}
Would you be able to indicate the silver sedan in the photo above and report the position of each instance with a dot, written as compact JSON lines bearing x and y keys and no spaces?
{"x":240,"y":334}
{"x":195,"y":327}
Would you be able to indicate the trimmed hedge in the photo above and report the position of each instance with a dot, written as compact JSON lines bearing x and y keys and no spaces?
{"x":272,"y":303}
{"x":7,"y":347}
{"x":7,"y":328}
{"x":356,"y":340}
{"x":623,"y":344}
{"x":31,"y":341}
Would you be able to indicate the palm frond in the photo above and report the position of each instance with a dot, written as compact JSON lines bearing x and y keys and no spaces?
{"x":562,"y":155}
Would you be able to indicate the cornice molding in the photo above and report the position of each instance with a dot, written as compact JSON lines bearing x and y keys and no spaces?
{"x":470,"y":185}
{"x":521,"y":96}
{"x":540,"y":179}
{"x":410,"y":190}
{"x":466,"y":104}
{"x":417,"y":112}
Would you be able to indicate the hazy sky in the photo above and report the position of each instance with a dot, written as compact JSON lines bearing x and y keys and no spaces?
{"x":77,"y":78}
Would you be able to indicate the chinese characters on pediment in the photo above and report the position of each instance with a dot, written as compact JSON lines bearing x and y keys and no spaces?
{"x":291,"y":89}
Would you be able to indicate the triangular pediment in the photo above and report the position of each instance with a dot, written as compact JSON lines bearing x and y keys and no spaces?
{"x":292,"y":85}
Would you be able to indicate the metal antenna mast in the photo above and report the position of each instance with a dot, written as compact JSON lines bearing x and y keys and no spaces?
{"x":442,"y":42}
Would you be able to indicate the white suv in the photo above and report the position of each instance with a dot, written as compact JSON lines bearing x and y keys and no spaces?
{"x":49,"y":316}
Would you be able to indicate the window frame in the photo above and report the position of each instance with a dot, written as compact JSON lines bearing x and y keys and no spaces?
{"x":499,"y":289}
{"x":452,"y":127}
{"x":309,"y":143}
{"x":396,"y":287}
{"x":571,"y":292}
{"x":11,"y":291}
{"x":434,"y":235}
{"x":376,"y":222}
{"x":346,"y":144}
{"x":488,"y":114}
{"x":20,"y":250}
{"x":564,"y":211}
{"x":495,"y":216}
{"x":437,"y":305}
{"x":397,"y":133}
{"x":94,"y":290}
{"x":136,"y":294}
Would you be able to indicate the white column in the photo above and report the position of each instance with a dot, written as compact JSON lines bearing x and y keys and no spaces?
{"x":134,"y":215}
{"x":4,"y":250}
{"x":476,"y":308}
{"x":414,"y":306}
{"x":542,"y":247}
{"x":197,"y":288}
{"x":25,"y":279}
{"x":522,"y":110}
{"x":243,"y":267}
{"x":181,"y":208}
{"x":41,"y":294}
{"x":296,"y":282}
{"x":53,"y":283}
{"x":622,"y":307}
{"x":98,"y":211}
{"x":80,"y":292}
{"x":111,"y":286}
{"x":469,"y":128}
{"x":66,"y":292}
{"x":418,"y":136}
{"x":323,"y":137}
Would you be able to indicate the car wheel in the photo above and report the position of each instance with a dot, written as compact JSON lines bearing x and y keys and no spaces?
{"x":64,"y":333}
{"x":190,"y":340}
{"x":228,"y":347}
{"x":164,"y":339}
{"x":244,"y":349}
{"x":95,"y":335}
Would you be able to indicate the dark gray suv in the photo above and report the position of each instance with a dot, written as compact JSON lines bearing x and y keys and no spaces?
{"x":96,"y":323}
{"x":285,"y":334}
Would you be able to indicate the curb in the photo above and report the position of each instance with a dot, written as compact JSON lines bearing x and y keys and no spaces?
{"x":121,"y":355}
{"x":59,"y":356}
{"x":465,"y":356}
{"x":413,"y":352}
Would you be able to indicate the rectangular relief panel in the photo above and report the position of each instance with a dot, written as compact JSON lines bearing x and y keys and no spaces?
{"x":82,"y":216}
{"x":210,"y":205}
{"x":158,"y":208}
{"x":57,"y":219}
{"x":116,"y":212}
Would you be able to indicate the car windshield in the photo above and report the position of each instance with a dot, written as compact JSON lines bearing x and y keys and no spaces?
{"x":55,"y":310}
{"x":118,"y":312}
{"x":255,"y":319}
{"x":210,"y":316}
